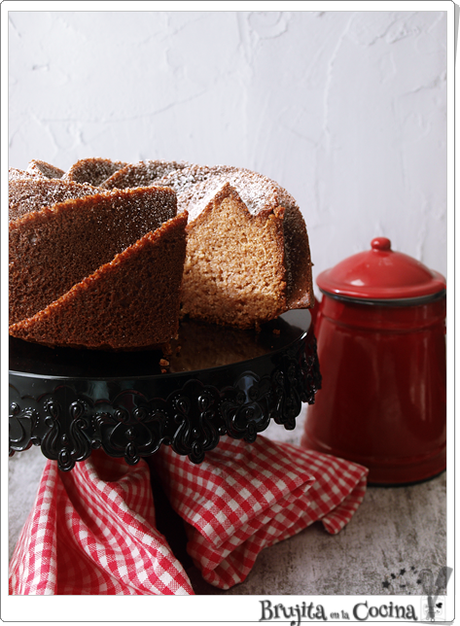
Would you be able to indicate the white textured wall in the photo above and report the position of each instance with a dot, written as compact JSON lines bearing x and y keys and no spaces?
{"x":347,"y":110}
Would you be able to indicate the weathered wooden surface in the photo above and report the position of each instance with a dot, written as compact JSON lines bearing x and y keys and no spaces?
{"x":395,"y":534}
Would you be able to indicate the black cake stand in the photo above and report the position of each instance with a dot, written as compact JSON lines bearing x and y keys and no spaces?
{"x":217,"y":381}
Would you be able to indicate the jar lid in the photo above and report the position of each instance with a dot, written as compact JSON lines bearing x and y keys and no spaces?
{"x":381,"y":273}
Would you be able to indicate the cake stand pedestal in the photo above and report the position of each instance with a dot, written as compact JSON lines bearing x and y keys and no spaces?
{"x":217,"y":381}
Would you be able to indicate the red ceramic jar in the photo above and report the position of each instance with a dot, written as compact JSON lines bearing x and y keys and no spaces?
{"x":380,"y":329}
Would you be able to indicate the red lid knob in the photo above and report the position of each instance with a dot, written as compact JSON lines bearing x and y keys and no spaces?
{"x":381,"y":243}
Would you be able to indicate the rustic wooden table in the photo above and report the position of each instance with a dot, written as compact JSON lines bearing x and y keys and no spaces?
{"x":396,"y":533}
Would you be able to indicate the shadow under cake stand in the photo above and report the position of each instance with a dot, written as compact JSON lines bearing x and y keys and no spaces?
{"x":217,"y":381}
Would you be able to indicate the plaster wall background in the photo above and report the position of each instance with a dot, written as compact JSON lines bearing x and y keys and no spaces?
{"x":346,"y":110}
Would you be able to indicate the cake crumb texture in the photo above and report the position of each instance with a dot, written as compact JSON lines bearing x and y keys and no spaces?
{"x":233,"y":272}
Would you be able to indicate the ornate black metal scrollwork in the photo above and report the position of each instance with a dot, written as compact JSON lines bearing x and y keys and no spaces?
{"x":244,"y":407}
{"x":195,"y":415}
{"x":287,"y":394}
{"x":22,"y":426}
{"x":131,"y":427}
{"x":68,"y":420}
{"x":67,"y":440}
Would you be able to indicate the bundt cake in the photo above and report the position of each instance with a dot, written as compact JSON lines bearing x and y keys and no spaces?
{"x":110,"y":254}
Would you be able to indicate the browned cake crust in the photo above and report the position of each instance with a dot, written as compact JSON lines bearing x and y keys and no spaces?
{"x":132,"y":302}
{"x":142,"y":173}
{"x":44,"y":169}
{"x":93,"y":171}
{"x":54,"y":248}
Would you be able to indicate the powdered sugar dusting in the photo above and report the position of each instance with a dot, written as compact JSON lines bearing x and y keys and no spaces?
{"x":14,"y":174}
{"x":196,"y":185}
{"x":44,"y":169}
{"x":142,"y":173}
{"x":32,"y":193}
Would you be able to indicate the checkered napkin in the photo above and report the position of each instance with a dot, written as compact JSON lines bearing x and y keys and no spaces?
{"x":245,"y":497}
{"x":92,"y":532}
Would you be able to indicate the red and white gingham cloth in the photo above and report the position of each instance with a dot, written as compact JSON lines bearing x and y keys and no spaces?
{"x":92,"y":530}
{"x":245,"y":497}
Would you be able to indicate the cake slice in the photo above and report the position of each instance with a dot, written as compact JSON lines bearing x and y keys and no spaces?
{"x":56,"y":247}
{"x":130,"y":303}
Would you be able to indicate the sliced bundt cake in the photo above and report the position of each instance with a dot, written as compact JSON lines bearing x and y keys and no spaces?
{"x":79,"y":238}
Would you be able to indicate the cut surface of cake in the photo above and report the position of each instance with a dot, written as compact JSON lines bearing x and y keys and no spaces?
{"x":234,"y":241}
{"x":233,"y":273}
{"x":248,"y":256}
